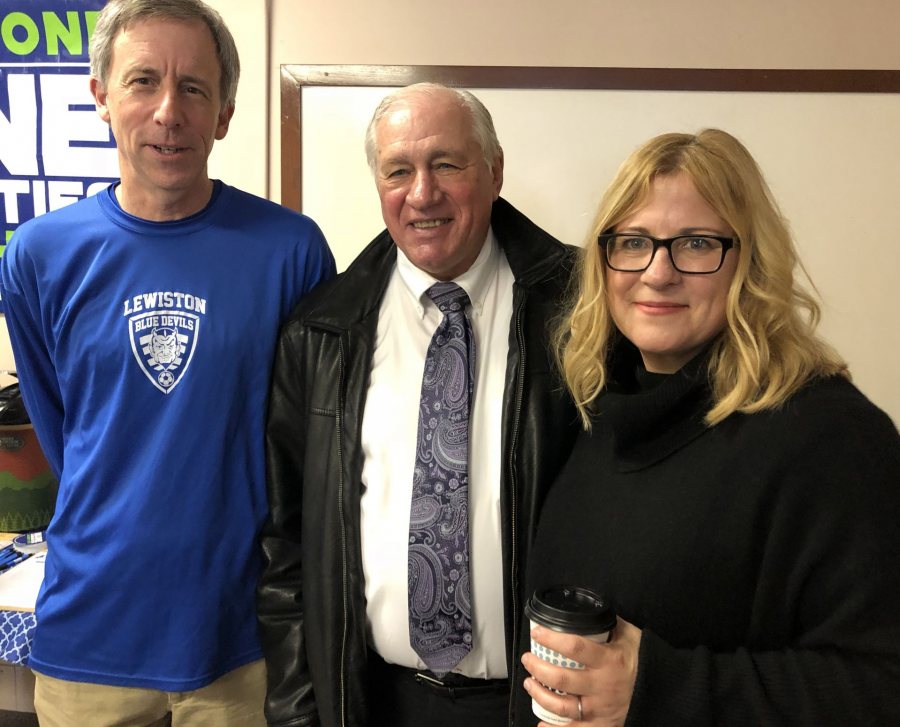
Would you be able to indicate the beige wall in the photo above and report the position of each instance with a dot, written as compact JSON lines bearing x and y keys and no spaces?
{"x":241,"y":157}
{"x":728,"y":33}
{"x":641,"y":33}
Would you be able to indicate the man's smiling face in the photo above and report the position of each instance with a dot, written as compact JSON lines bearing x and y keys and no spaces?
{"x":435,"y":186}
{"x":163,"y":102}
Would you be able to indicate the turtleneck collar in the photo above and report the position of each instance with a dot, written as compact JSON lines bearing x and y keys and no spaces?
{"x":647,"y":417}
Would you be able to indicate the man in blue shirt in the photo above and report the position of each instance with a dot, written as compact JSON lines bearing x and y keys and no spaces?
{"x":143,"y":322}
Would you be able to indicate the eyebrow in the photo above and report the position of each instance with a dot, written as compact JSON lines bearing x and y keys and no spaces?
{"x":146,"y":70}
{"x":151,"y":71}
{"x":638,"y":230}
{"x":403,"y":158}
{"x":195,"y":81}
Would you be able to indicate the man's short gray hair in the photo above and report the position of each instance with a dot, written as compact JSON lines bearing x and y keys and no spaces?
{"x":119,"y":14}
{"x":482,"y":123}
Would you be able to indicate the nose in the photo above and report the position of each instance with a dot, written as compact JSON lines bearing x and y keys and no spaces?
{"x":168,"y":111}
{"x":660,"y":271}
{"x":424,"y":189}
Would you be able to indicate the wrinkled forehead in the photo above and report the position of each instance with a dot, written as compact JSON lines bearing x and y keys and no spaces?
{"x":150,"y":35}
{"x":425,"y":119}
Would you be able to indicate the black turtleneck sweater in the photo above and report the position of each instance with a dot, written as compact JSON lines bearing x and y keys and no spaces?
{"x":761,"y":557}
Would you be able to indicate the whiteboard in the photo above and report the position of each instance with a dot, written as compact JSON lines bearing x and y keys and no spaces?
{"x":831,"y":159}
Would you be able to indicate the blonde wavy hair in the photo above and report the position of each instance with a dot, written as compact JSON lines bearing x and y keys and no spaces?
{"x":769,"y":347}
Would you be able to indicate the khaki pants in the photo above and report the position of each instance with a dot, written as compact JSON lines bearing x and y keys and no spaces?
{"x":233,"y":700}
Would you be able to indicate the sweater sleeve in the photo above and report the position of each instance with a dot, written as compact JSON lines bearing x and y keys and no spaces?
{"x":825,"y":648}
{"x":790,"y":687}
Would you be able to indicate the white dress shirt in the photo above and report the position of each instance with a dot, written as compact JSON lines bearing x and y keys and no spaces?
{"x":407,"y":320}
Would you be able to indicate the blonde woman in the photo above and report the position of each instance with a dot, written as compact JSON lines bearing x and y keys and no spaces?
{"x":733,"y":494}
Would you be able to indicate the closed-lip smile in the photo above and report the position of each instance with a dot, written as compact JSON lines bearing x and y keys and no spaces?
{"x":659,"y":306}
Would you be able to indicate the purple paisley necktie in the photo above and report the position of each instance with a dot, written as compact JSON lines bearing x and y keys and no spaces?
{"x":440,"y":606}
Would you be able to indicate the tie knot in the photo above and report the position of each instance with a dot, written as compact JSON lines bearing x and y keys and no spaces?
{"x":448,"y":297}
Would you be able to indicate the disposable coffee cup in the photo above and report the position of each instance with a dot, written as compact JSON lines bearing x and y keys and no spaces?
{"x":571,"y":610}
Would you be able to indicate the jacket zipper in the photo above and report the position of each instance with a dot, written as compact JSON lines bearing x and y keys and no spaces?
{"x":339,"y":421}
{"x":514,"y":440}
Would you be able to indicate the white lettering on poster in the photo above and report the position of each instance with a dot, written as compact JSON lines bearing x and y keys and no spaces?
{"x":18,"y":132}
{"x":61,"y":125}
{"x":74,"y":142}
{"x":42,"y":196}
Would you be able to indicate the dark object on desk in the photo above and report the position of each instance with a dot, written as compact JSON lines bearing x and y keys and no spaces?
{"x":10,"y":557}
{"x":27,"y":484}
{"x":18,"y":719}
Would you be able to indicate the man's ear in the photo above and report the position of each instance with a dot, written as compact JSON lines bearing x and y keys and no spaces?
{"x":99,"y":93}
{"x":497,"y":172}
{"x":224,"y":120}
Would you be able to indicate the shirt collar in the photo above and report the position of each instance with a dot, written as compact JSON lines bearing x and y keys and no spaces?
{"x":475,"y":281}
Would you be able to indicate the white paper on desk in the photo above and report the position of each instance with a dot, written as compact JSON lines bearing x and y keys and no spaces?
{"x":19,"y":585}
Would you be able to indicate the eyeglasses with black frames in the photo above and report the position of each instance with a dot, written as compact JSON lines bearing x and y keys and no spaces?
{"x":694,"y":254}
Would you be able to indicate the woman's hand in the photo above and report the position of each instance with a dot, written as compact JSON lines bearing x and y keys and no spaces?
{"x":605,"y":685}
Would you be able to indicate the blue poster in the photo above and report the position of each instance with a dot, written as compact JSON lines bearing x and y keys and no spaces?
{"x":54,"y":148}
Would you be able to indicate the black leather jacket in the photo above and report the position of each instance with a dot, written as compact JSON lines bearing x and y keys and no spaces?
{"x":312,"y":606}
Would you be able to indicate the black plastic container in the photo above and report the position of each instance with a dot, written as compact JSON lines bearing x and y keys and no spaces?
{"x":571,"y":609}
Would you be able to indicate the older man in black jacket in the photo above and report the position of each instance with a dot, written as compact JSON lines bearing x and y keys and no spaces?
{"x":367,"y":616}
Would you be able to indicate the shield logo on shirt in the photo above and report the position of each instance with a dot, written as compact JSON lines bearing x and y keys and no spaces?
{"x":163,"y":342}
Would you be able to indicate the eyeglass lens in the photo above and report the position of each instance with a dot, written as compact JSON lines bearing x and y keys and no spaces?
{"x":690,"y":253}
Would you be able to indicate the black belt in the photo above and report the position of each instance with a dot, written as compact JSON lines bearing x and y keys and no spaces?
{"x":450,"y":685}
{"x":458,"y":685}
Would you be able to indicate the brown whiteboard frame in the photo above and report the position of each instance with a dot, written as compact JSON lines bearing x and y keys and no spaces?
{"x":295,"y":77}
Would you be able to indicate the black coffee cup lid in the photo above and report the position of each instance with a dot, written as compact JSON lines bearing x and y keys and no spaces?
{"x":572,"y":609}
